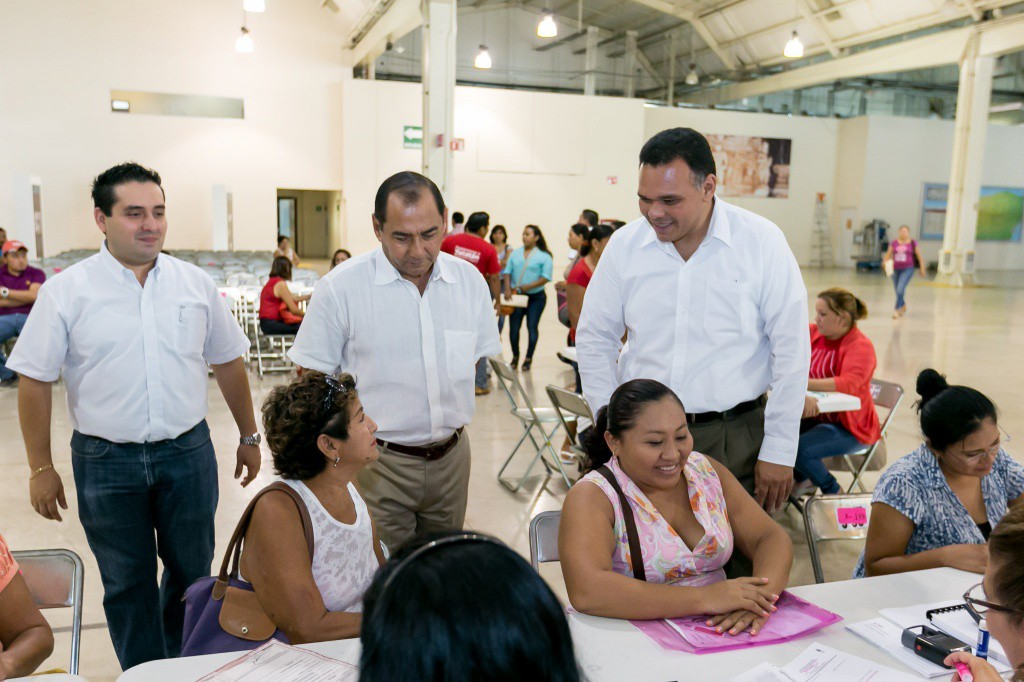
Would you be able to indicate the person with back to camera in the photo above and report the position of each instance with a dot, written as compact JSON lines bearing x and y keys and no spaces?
{"x":320,"y":439}
{"x":527,"y":271}
{"x":276,"y":294}
{"x":936,"y":506}
{"x":463,"y":606}
{"x":999,"y":599}
{"x":906,"y":257}
{"x":690,"y":512}
{"x":842,"y":359}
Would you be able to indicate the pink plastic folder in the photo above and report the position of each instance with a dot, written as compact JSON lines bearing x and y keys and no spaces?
{"x":795,"y":618}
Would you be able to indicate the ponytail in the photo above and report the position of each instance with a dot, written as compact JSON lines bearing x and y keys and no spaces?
{"x":594,"y":234}
{"x":594,"y":444}
{"x":949,"y":414}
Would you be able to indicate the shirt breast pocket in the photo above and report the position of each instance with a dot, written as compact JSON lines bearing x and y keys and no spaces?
{"x":460,"y":347}
{"x":728,"y":309}
{"x":190,"y":328}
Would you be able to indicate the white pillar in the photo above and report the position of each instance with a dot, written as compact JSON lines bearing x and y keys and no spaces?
{"x":956,"y":261}
{"x":631,"y":63}
{"x":670,"y":97}
{"x":590,"y":62}
{"x":222,"y":228}
{"x":440,"y":20}
{"x":28,"y":215}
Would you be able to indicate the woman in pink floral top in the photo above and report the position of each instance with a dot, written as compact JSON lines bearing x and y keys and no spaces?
{"x":25,"y":637}
{"x":690,"y":514}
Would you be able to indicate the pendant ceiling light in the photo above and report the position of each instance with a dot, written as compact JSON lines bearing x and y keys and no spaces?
{"x":547,"y":28}
{"x":794,"y":48}
{"x":254,"y":5}
{"x":244,"y":43}
{"x":483,"y":58}
{"x":692,"y":78}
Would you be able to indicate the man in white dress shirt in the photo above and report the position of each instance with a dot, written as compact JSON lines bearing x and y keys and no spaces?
{"x":132,"y":331}
{"x":410,"y":322}
{"x":714,"y":306}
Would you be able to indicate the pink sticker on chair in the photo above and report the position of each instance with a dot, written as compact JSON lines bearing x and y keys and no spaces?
{"x":852,"y":516}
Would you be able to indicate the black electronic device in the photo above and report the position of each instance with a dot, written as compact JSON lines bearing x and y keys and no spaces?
{"x":931,"y":644}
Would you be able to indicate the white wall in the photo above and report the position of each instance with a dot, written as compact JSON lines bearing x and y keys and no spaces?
{"x":63,"y":58}
{"x":812,"y":167}
{"x":555,"y":154}
{"x":901,"y":154}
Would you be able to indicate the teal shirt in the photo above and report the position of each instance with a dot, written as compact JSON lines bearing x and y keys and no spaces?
{"x":525,"y":270}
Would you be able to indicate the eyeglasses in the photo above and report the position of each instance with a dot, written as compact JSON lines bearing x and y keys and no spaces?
{"x":978,"y":606}
{"x":971,"y":457}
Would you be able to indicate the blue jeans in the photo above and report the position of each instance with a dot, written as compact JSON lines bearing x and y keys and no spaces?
{"x":901,"y":280}
{"x":481,"y":373}
{"x":817,"y":443}
{"x":10,"y":326}
{"x":138,"y":501}
{"x":532,"y":313}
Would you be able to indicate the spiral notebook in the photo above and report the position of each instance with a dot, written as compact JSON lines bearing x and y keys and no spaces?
{"x":951,"y":617}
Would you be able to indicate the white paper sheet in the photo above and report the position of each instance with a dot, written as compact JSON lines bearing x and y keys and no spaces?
{"x":820,"y":663}
{"x":766,"y":672}
{"x":957,"y":623}
{"x":833,"y":401}
{"x":886,"y":635}
{"x":279,"y":662}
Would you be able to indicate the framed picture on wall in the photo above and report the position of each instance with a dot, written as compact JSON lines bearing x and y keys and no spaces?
{"x":752,"y":166}
{"x":1000,"y":213}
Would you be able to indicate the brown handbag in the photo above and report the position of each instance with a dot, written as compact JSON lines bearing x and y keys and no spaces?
{"x":636,"y":557}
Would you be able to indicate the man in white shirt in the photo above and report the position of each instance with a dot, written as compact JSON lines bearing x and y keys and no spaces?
{"x":410,"y":322}
{"x":714,"y":306}
{"x":132,"y":331}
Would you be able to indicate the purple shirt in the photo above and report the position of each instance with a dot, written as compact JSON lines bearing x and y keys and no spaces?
{"x":903,"y":255}
{"x":20,"y":283}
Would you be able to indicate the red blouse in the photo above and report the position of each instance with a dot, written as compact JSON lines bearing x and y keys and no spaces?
{"x":270,"y":304}
{"x":851,"y":362}
{"x":581,"y":274}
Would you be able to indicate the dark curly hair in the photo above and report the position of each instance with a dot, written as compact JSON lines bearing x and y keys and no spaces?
{"x":295,"y":415}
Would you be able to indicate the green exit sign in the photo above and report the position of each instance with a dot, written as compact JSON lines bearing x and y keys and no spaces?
{"x":412,"y":137}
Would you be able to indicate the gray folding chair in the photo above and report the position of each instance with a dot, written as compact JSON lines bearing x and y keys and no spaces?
{"x":575,"y":405}
{"x":544,"y":537}
{"x":828,"y":518}
{"x":55,"y":578}
{"x":887,"y":396}
{"x":530,"y":418}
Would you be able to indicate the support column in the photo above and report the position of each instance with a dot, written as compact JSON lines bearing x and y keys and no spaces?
{"x":956,"y":262}
{"x":631,"y":37}
{"x":670,"y":96}
{"x":590,"y":62}
{"x":440,"y":20}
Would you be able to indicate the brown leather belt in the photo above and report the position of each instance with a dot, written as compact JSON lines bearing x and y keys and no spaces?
{"x":742,"y":408}
{"x":430,"y":452}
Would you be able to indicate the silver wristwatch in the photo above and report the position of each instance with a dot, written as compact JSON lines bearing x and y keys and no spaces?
{"x":4,"y":292}
{"x":254,"y":439}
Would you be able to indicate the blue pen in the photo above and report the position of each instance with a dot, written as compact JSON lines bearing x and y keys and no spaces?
{"x":982,"y":650}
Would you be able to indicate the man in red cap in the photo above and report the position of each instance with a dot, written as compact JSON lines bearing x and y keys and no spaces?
{"x":19,"y":284}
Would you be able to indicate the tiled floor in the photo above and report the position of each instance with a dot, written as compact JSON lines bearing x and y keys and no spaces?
{"x":969,"y":334}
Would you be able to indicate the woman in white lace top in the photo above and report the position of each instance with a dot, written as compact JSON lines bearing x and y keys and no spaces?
{"x":320,"y":438}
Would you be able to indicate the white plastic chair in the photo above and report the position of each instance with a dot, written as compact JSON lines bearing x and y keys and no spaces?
{"x":544,"y":537}
{"x":56,"y":578}
{"x":575,"y":405}
{"x":828,"y":518}
{"x":530,"y":418}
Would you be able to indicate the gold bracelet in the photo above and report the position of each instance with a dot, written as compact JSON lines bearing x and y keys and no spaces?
{"x":39,"y":471}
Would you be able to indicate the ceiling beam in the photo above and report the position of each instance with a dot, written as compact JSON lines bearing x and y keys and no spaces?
{"x":973,"y":9}
{"x":644,"y":61}
{"x":997,"y":37}
{"x":819,"y":25}
{"x":561,"y":41}
{"x":691,"y":17}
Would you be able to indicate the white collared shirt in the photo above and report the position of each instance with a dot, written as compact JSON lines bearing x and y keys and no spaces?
{"x":134,"y":358}
{"x":413,"y":356}
{"x":719,"y":329}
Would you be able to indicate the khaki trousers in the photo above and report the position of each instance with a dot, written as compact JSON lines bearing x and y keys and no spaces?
{"x":735,"y":443}
{"x":410,"y":496}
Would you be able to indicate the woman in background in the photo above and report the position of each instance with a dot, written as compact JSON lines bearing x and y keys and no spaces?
{"x":276,"y":295}
{"x":340,"y":256}
{"x":26,"y":639}
{"x":499,"y":240}
{"x":527,"y":271}
{"x":905,"y":257}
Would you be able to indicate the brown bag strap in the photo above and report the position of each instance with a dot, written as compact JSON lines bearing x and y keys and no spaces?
{"x":636,"y":557}
{"x":234,"y":549}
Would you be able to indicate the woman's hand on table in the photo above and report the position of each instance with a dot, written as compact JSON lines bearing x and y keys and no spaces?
{"x":738,"y":621}
{"x":981,"y":670}
{"x":740,"y":594}
{"x":810,"y":408}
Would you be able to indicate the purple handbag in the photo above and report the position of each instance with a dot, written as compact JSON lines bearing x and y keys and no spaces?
{"x":222,"y":612}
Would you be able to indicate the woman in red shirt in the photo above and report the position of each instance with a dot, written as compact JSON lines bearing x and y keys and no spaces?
{"x":275,"y":294}
{"x":843,"y":360}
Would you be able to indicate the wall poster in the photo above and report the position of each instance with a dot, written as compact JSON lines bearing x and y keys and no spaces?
{"x":751,"y":166}
{"x":1000,"y":213}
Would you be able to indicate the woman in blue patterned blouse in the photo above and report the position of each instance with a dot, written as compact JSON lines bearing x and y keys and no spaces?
{"x":936,"y":506}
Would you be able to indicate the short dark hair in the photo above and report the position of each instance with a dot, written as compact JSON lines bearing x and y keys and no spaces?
{"x":294,"y":416}
{"x":281,"y":267}
{"x":497,"y":229}
{"x":104,"y":184}
{"x":408,"y":185}
{"x":348,"y":254}
{"x":580,"y":229}
{"x":477,"y":221}
{"x":620,"y":415}
{"x":281,"y":238}
{"x":949,"y":414}
{"x":458,"y":218}
{"x":466,"y":609}
{"x":680,"y":143}
{"x":590,"y":216}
